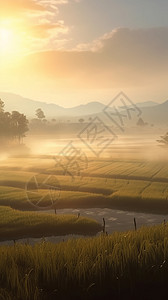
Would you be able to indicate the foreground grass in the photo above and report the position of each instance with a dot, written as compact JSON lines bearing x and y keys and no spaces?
{"x":15,"y":224}
{"x":132,"y":265}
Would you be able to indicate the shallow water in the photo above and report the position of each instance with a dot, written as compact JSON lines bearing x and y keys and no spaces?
{"x":116,"y":220}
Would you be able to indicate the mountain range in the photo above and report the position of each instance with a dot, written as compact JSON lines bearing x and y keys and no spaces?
{"x":152,"y":112}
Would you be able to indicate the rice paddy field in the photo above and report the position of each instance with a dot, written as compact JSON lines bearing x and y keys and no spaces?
{"x":38,"y":183}
{"x":121,"y":265}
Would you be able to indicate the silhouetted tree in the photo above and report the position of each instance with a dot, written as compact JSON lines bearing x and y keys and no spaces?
{"x":1,"y":106}
{"x":5,"y":124}
{"x":40,"y":114}
{"x":81,"y":120}
{"x":19,"y":125}
{"x":164,"y":140}
{"x":12,"y":125}
{"x":141,"y":122}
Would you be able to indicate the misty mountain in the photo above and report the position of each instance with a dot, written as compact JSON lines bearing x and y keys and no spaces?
{"x":157,"y":114}
{"x":28,"y":107}
{"x":87,"y":109}
{"x":152,"y":112}
{"x":151,"y":115}
{"x":146,"y":104}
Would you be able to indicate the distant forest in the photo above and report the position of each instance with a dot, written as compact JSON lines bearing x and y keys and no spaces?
{"x":13,"y":126}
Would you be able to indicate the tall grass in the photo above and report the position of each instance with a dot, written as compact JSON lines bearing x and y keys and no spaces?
{"x":15,"y":224}
{"x":131,"y":265}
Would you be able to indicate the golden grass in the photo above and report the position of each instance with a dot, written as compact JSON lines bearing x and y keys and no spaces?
{"x":16,"y":224}
{"x":130,"y":265}
{"x":131,"y":185}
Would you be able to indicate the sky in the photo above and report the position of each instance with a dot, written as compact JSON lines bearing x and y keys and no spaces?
{"x":76,"y":51}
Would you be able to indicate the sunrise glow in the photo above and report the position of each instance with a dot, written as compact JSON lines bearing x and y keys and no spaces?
{"x":83,"y":149}
{"x":6,"y":40}
{"x":11,"y":44}
{"x":51,"y":42}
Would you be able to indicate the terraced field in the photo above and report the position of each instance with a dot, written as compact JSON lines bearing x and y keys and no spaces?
{"x":132,"y":185}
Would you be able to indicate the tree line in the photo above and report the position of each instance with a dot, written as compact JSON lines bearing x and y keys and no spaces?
{"x":13,"y":125}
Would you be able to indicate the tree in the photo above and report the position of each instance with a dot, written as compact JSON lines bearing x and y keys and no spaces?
{"x":164,"y":140}
{"x":12,"y":125}
{"x":81,"y":120}
{"x":141,"y":122}
{"x":19,"y":125}
{"x":40,"y":114}
{"x":5,"y":125}
{"x":1,"y":106}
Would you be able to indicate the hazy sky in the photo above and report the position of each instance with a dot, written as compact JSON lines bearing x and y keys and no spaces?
{"x":73,"y":51}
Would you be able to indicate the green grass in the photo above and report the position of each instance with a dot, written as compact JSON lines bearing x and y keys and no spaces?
{"x":130,"y":265}
{"x":16,"y":224}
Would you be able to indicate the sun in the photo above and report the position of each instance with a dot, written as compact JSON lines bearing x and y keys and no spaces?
{"x":6,"y":40}
{"x":11,"y":44}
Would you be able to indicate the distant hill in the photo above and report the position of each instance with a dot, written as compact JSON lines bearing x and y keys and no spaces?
{"x":152,"y":112}
{"x":86,"y":109}
{"x":28,"y":107}
{"x":157,"y":114}
{"x":146,"y":104}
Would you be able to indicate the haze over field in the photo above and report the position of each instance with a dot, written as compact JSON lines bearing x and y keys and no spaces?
{"x":83,"y":149}
{"x":63,"y":63}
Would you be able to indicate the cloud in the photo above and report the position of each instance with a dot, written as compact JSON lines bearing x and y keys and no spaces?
{"x":22,"y":8}
{"x":9,"y":7}
{"x":36,"y":23}
{"x":121,"y":58}
{"x":47,"y":29}
{"x":133,"y":60}
{"x":53,"y":2}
